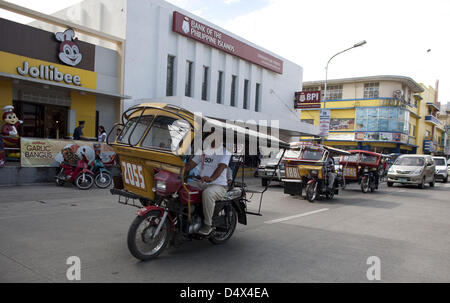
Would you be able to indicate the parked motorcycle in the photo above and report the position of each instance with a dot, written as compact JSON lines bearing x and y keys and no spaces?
{"x":103,"y":177}
{"x":78,"y":174}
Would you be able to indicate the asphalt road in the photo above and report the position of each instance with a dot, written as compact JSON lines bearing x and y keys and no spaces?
{"x":294,"y":241}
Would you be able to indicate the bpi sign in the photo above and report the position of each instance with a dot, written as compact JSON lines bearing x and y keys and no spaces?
{"x":309,"y":99}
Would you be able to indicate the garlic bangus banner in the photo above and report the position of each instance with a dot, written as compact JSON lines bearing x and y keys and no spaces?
{"x":36,"y":152}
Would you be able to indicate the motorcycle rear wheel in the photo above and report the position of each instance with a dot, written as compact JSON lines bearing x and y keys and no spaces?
{"x":138,"y":240}
{"x":218,"y":237}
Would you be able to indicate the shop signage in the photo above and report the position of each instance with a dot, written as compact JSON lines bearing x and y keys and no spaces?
{"x":193,"y":29}
{"x":69,"y":53}
{"x":324,"y":122}
{"x":381,"y":136}
{"x":48,"y":152}
{"x":310,"y":99}
{"x":47,"y":72}
{"x":342,"y":124}
{"x":341,"y":137}
{"x":428,"y":146}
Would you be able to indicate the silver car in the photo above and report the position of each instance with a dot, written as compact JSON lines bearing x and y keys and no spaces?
{"x":412,"y":169}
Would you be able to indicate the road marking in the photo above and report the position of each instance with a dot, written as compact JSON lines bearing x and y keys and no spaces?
{"x":296,"y":216}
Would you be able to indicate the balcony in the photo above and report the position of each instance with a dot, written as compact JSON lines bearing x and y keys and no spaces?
{"x":434,"y":105}
{"x":432,"y":120}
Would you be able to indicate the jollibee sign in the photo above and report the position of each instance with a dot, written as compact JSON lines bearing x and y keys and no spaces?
{"x":193,"y":29}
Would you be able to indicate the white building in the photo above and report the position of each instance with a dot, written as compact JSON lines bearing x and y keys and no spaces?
{"x":173,"y":56}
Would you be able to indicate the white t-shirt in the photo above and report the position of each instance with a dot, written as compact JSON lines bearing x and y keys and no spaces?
{"x":210,"y":163}
{"x":102,"y":137}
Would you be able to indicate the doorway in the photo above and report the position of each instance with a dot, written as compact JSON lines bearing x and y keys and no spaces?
{"x":42,"y":120}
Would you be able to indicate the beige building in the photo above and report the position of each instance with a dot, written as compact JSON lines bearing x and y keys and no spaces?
{"x":387,"y":114}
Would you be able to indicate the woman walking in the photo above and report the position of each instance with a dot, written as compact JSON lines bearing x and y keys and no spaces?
{"x":101,"y":134}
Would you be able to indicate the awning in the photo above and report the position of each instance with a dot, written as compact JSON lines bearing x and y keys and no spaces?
{"x":61,"y":85}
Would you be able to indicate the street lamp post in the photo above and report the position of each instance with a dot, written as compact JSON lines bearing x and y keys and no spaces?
{"x":326,"y":69}
{"x":326,"y":75}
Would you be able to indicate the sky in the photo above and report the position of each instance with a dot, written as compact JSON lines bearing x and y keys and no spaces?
{"x":404,"y":37}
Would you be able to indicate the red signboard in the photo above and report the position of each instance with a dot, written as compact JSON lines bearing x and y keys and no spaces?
{"x":193,"y":29}
{"x":309,"y":99}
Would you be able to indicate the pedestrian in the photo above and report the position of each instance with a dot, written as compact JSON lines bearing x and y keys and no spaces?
{"x":101,"y":134}
{"x":78,"y":132}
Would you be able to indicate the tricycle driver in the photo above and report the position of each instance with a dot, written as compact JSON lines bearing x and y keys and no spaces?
{"x":213,"y":181}
{"x":330,"y":168}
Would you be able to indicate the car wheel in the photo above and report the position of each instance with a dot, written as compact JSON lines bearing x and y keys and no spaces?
{"x":390,"y":184}
{"x":445,"y":180}
{"x":422,"y":185}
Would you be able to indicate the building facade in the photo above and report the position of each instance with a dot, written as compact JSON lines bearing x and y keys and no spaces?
{"x":54,"y":80}
{"x":172,"y":56}
{"x":386,"y":114}
{"x":444,"y":117}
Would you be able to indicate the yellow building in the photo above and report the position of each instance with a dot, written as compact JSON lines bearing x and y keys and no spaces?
{"x":54,"y":80}
{"x":386,"y":114}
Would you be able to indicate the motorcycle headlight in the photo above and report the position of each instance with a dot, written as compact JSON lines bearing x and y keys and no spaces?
{"x":366,"y":169}
{"x":160,"y":185}
{"x":314,"y":173}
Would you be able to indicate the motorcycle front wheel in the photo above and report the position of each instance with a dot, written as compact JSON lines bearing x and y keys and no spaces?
{"x":103,"y":180}
{"x":311,"y":192}
{"x":141,"y":243}
{"x":365,"y":185}
{"x":84,"y":181}
{"x":224,"y":231}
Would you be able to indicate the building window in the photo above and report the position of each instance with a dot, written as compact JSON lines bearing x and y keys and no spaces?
{"x":246,"y":93}
{"x":205,"y":83}
{"x":414,"y":131}
{"x":334,"y":92}
{"x":427,"y":135}
{"x":311,"y":89}
{"x":371,"y":90}
{"x":188,"y":89}
{"x":220,"y":87}
{"x":382,"y":119}
{"x":170,"y":75}
{"x":233,"y":90}
{"x":257,"y":97}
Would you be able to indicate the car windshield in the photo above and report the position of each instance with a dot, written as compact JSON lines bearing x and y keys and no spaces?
{"x":312,"y":153}
{"x":439,"y":162}
{"x":409,"y":161}
{"x":166,"y":133}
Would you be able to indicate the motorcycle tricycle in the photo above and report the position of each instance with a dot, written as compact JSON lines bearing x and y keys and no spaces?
{"x":362,"y":166}
{"x":153,"y":146}
{"x":311,"y":166}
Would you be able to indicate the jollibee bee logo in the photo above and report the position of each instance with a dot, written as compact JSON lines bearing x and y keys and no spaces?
{"x":69,"y":53}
